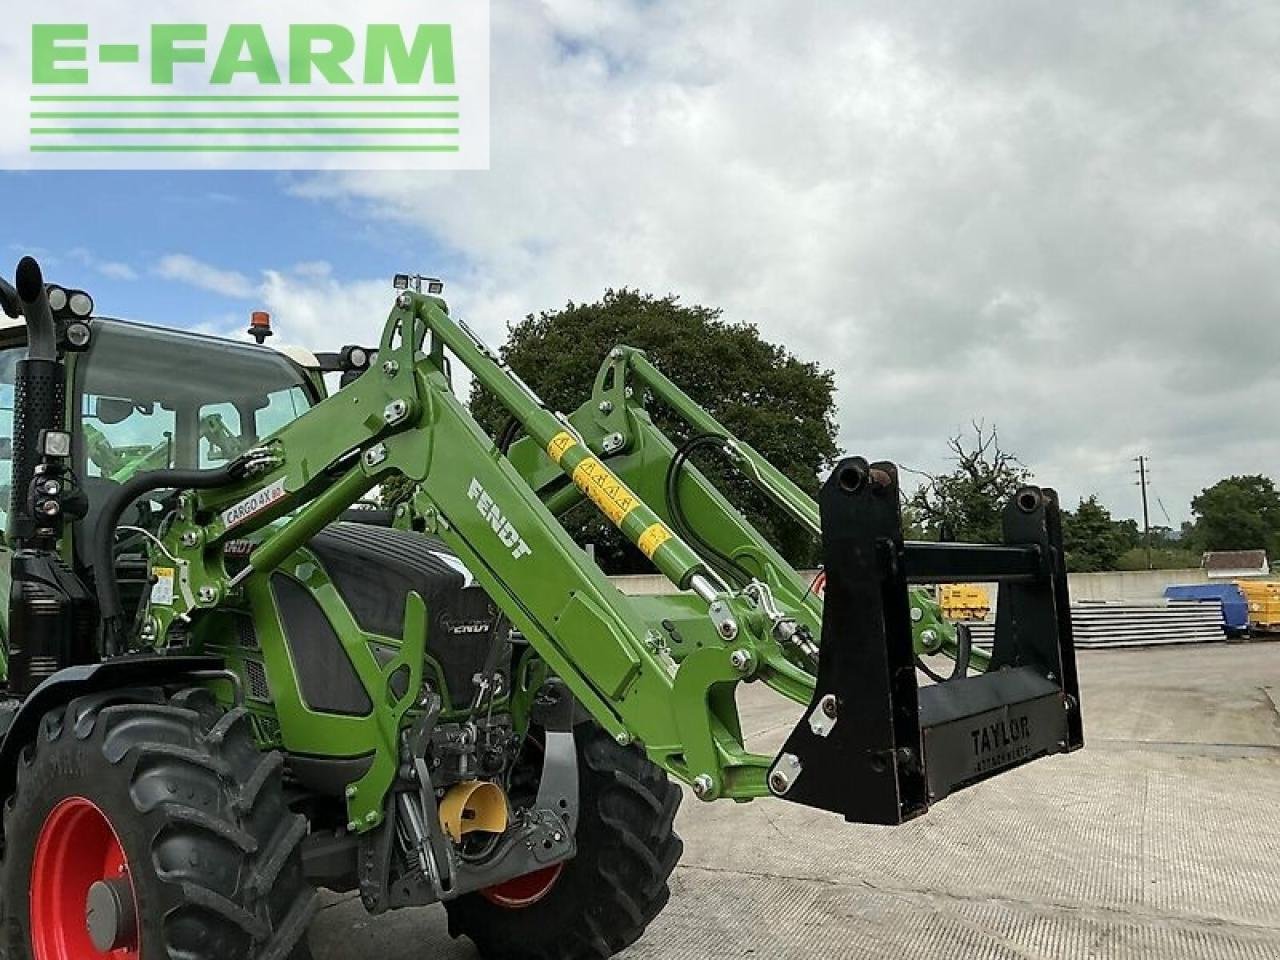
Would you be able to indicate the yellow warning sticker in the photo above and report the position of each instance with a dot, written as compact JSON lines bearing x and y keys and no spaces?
{"x":560,"y":443}
{"x":162,"y":589}
{"x":654,"y":536}
{"x":604,"y":490}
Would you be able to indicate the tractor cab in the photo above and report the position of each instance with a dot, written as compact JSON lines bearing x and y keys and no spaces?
{"x":141,"y":398}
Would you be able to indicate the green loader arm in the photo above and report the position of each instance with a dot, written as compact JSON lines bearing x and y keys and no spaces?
{"x":615,"y":420}
{"x":403,"y":418}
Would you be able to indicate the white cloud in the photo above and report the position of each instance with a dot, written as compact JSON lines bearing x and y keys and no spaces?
{"x":116,"y":270}
{"x":323,"y":312}
{"x":108,"y":268}
{"x":185,"y":269}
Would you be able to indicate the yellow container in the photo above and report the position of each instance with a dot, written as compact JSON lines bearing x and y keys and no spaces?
{"x":964,"y":601}
{"x":1263,"y":597}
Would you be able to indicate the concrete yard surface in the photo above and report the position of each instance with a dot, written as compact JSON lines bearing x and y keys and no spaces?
{"x":1161,"y":839}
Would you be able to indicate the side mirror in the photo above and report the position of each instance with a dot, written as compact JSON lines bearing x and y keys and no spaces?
{"x":111,"y":410}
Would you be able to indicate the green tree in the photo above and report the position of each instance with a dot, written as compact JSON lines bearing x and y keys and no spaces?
{"x":966,"y":503}
{"x":1238,"y":513}
{"x":1092,"y":539}
{"x":779,"y":404}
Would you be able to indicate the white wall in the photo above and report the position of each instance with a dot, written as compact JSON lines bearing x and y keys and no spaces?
{"x":1120,"y":585}
{"x":1130,"y":584}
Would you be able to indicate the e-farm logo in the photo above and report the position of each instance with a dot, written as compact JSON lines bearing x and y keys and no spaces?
{"x":401,"y":85}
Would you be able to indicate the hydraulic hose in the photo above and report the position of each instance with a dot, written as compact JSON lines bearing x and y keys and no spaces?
{"x":113,"y":508}
{"x":964,"y":654}
{"x":727,"y":566}
{"x":508,"y":435}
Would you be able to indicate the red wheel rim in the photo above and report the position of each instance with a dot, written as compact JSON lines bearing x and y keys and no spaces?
{"x":77,"y":847}
{"x":523,"y":891}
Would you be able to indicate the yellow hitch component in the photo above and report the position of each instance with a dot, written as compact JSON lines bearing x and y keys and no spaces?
{"x":475,"y":805}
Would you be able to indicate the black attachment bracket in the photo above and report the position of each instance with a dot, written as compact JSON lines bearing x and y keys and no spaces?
{"x":874,"y":745}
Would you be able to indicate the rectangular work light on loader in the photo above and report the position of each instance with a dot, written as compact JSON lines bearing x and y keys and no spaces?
{"x":875,"y":746}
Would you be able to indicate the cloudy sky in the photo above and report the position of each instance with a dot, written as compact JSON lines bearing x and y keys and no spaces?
{"x":1060,"y":218}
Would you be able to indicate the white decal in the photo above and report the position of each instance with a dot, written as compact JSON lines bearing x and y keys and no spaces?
{"x":254,"y":503}
{"x":449,"y":560}
{"x":508,"y":534}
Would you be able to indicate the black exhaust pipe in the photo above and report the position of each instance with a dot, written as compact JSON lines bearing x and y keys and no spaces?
{"x":50,"y":611}
{"x":39,"y":397}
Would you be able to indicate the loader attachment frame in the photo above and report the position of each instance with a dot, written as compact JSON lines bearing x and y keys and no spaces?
{"x":873,"y":745}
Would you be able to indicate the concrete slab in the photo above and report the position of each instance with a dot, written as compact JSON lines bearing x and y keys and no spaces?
{"x":1160,"y":840}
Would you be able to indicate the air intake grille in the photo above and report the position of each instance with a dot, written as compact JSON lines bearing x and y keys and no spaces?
{"x":256,"y":675}
{"x":246,"y":634}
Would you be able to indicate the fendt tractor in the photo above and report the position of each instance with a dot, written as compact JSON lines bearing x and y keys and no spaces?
{"x":229,"y":683}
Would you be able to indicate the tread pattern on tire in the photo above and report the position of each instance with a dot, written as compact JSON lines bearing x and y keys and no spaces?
{"x":192,"y":797}
{"x":618,"y":881}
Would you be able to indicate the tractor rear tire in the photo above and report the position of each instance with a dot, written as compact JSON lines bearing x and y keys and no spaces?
{"x":602,"y":900}
{"x":165,"y":810}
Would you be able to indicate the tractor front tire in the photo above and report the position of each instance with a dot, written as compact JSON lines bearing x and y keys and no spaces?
{"x":601,"y":901}
{"x":147,"y":827}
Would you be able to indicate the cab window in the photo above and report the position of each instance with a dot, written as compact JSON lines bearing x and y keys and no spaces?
{"x":123,"y":436}
{"x":151,"y":398}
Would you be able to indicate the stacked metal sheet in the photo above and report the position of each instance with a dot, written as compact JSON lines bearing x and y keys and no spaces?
{"x":1150,"y":623}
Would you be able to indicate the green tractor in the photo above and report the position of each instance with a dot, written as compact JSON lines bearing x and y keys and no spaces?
{"x":228,"y":683}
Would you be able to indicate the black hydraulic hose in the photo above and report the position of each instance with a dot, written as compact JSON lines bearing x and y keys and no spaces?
{"x":728,"y":567}
{"x":103,"y":554}
{"x":510,"y":431}
{"x":42,"y":339}
{"x":964,"y":653}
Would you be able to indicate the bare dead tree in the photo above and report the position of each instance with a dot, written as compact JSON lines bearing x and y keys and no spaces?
{"x":966,"y":502}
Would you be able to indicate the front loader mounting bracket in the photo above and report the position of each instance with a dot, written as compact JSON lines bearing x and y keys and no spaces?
{"x":874,"y":745}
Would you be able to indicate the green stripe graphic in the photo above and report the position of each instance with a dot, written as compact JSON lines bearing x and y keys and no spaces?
{"x":247,"y":98}
{"x":270,"y":131}
{"x":242,"y":148}
{"x":372,"y":110}
{"x":228,"y":115}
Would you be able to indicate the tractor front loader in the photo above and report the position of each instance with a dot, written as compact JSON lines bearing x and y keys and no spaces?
{"x":227,"y":685}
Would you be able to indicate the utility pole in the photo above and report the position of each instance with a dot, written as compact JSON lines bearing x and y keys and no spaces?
{"x":1146,"y":514}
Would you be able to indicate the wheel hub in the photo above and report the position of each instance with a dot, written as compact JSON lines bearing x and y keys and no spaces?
{"x":82,"y":899}
{"x":110,"y":914}
{"x":524,"y":891}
